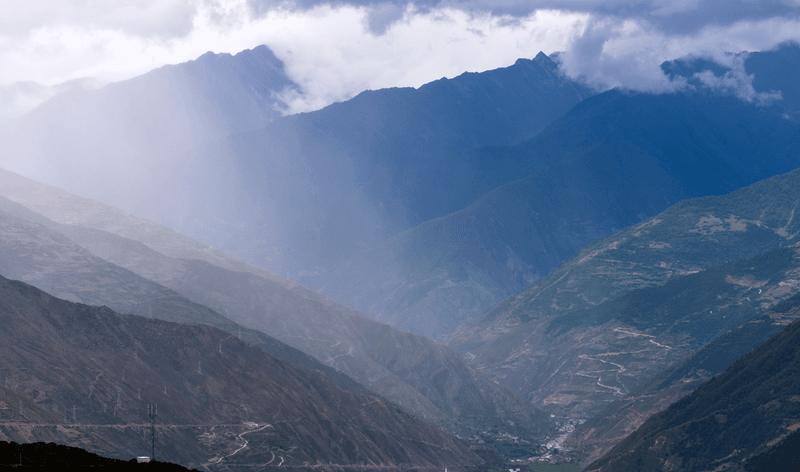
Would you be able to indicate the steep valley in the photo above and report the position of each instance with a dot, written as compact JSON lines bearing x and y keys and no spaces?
{"x":629,"y":305}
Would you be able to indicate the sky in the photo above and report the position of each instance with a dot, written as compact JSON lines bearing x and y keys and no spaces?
{"x":335,"y":49}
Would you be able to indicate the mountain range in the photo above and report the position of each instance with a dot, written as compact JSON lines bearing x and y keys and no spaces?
{"x":307,"y":195}
{"x":99,"y":255}
{"x":544,"y":342}
{"x":591,"y":255}
{"x":425,"y":207}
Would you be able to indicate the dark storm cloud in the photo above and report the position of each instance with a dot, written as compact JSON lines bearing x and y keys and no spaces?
{"x":669,"y":16}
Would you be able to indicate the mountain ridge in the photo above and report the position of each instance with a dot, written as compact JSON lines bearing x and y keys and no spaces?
{"x":104,"y":368}
{"x":726,"y":421}
{"x":549,"y":333}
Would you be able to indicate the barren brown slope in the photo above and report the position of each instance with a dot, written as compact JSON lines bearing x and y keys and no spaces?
{"x":100,"y":369}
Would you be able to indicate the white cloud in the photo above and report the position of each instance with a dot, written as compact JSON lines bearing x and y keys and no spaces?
{"x":737,"y":81}
{"x":332,"y":52}
{"x":420,"y":48}
{"x":164,"y":18}
{"x":616,"y":52}
{"x":336,"y":49}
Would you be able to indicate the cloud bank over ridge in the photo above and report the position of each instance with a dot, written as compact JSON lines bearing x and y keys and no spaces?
{"x":335,"y":49}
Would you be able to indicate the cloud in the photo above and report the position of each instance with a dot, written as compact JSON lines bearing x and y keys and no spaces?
{"x":614,"y":52}
{"x":380,"y":17}
{"x":146,"y":18}
{"x":618,"y":52}
{"x":670,"y":16}
{"x":335,"y":49}
{"x":418,"y":49}
{"x":735,"y":81}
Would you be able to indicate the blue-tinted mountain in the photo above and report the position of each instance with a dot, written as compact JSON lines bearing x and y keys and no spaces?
{"x":312,"y":196}
{"x":611,"y":161}
{"x":555,"y":340}
{"x":343,"y":179}
{"x":783,"y":456}
{"x":309,"y":191}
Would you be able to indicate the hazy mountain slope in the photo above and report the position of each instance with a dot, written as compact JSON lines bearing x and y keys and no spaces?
{"x":615,"y":159}
{"x":611,"y":161}
{"x":310,"y":192}
{"x":62,"y":207}
{"x":143,"y":122}
{"x":33,"y":250}
{"x":606,"y":429}
{"x":425,"y":378}
{"x":741,"y":412}
{"x":108,"y":367}
{"x":540,"y":334}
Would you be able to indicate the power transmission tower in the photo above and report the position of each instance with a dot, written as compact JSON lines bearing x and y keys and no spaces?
{"x":152,"y":410}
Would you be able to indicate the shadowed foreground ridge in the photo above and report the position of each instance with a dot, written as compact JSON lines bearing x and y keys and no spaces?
{"x":89,"y":371}
{"x":49,"y":456}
